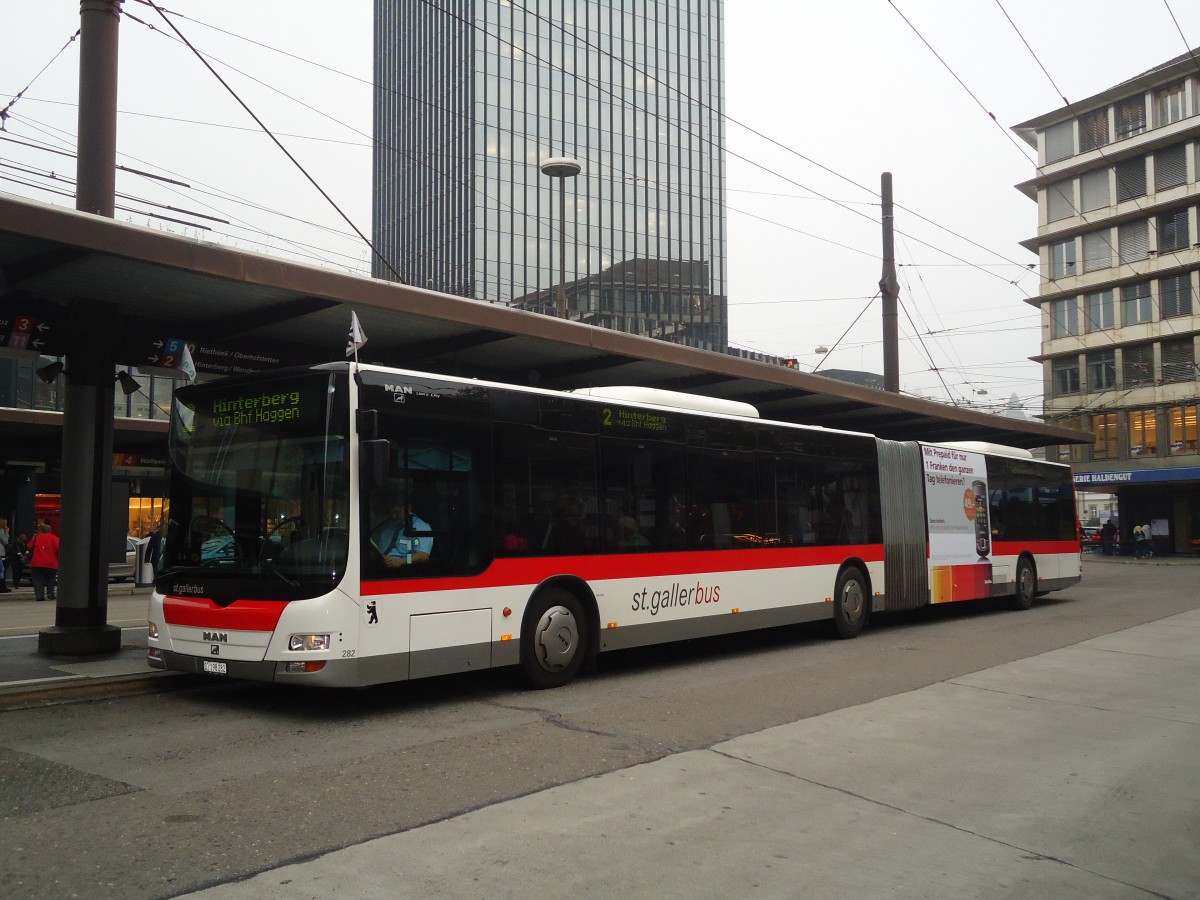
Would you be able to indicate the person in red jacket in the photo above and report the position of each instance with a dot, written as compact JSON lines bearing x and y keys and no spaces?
{"x":43,"y":563}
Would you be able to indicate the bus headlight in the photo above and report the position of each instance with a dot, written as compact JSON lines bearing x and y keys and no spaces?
{"x":152,"y":631}
{"x":308,"y":642}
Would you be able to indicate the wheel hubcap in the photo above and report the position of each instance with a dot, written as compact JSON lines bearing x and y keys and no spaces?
{"x":852,"y":601}
{"x":556,"y":638}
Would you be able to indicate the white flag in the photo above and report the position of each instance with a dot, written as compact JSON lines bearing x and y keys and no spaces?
{"x":358,"y":337}
{"x":186,"y":366}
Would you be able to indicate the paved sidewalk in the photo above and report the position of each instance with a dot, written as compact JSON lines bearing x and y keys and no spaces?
{"x":29,"y":678}
{"x":1073,"y":774}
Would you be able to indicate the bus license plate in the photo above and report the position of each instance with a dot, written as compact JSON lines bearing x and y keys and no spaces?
{"x":214,"y":668}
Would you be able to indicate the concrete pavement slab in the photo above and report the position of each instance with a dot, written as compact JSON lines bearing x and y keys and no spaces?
{"x":1070,"y":774}
{"x":696,"y":825}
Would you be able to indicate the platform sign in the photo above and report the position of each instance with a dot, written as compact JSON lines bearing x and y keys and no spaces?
{"x":22,"y":330}
{"x":164,"y":353}
{"x":30,"y":326}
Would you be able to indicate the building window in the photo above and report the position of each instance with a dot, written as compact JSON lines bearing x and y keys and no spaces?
{"x":1102,"y":370}
{"x":1169,"y":104}
{"x":1101,"y":312}
{"x":1135,"y":298}
{"x":1060,"y":200}
{"x":1175,"y":296}
{"x":1064,"y":376}
{"x":1060,"y":141}
{"x":1143,"y":433}
{"x":1133,"y":241}
{"x":1182,"y":421}
{"x":1131,"y":117}
{"x":1069,"y":452}
{"x":1093,"y":130}
{"x":1173,"y":230}
{"x":1131,"y":179}
{"x":1062,"y":259}
{"x":1104,"y":426}
{"x":1170,"y":167}
{"x":1097,"y":251}
{"x":1179,"y":360}
{"x":1093,"y":190}
{"x":1137,"y":365}
{"x":1064,"y":318}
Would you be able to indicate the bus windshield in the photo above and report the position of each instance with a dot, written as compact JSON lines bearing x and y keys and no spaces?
{"x":259,"y":487}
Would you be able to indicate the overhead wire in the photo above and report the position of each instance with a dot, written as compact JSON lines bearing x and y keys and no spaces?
{"x":276,"y":141}
{"x":1105,"y":238}
{"x":7,"y":111}
{"x":964,"y":263}
{"x":303,"y":250}
{"x":516,"y":4}
{"x":902,"y":274}
{"x":1057,"y":306}
{"x":991,"y":115}
{"x":146,"y":2}
{"x":1190,"y":51}
{"x":846,"y":332}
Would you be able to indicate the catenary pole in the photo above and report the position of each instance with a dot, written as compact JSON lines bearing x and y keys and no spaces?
{"x":889,"y":287}
{"x":81,"y":614}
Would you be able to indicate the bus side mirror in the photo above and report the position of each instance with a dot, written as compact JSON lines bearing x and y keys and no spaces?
{"x":375,"y":455}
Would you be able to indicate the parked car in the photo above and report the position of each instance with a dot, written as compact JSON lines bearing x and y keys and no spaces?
{"x":1089,"y":538}
{"x":124,"y":571}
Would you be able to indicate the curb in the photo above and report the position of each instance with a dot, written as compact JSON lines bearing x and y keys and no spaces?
{"x":55,"y":693}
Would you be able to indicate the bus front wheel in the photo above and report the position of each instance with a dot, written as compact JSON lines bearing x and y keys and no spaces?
{"x":554,"y":639}
{"x":850,"y":603}
{"x":1026,"y":585}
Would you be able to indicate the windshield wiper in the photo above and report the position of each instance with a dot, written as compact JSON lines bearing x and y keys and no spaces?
{"x":274,"y":570}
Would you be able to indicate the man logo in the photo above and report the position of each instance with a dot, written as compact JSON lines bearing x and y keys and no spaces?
{"x":216,"y":636}
{"x":214,"y":650}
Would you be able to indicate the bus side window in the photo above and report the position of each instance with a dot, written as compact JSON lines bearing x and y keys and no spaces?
{"x":723,"y":508}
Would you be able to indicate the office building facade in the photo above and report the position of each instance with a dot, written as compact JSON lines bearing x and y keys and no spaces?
{"x":471,"y":97}
{"x":1117,"y":193}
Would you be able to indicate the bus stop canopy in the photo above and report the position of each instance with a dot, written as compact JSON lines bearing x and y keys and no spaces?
{"x":246,"y":312}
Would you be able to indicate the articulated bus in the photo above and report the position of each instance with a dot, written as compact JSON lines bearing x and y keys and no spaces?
{"x":349,"y":525}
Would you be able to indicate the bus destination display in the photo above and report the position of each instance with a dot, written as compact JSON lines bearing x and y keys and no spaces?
{"x":282,"y":406}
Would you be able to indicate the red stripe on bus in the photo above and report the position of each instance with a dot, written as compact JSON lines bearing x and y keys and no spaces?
{"x":532,"y":571}
{"x":244,"y":615}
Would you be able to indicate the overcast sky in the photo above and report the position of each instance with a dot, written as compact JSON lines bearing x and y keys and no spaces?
{"x":821,"y":97}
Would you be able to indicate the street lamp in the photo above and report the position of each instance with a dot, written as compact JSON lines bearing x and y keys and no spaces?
{"x":562,"y":168}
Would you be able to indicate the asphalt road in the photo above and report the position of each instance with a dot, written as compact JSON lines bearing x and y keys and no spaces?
{"x":156,"y":795}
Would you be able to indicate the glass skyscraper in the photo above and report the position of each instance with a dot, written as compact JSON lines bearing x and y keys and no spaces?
{"x":472,"y":95}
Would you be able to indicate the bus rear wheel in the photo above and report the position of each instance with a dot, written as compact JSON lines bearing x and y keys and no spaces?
{"x":850,"y":603}
{"x":1026,"y":586}
{"x":553,"y":639}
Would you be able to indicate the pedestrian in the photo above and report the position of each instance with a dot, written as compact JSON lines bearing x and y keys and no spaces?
{"x":1148,"y":540}
{"x":18,"y":558}
{"x":43,"y":563}
{"x":1108,"y":535}
{"x":1139,"y":542}
{"x":5,"y":537}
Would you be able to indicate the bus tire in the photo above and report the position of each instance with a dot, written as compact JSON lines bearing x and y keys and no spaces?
{"x":850,"y":603}
{"x":553,"y":639}
{"x":1026,"y":585}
